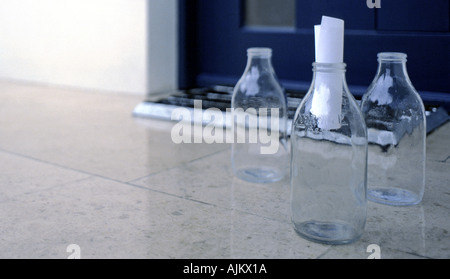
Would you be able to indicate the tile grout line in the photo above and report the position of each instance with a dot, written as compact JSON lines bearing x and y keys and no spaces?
{"x":131,"y":184}
{"x":49,"y":188}
{"x":174,"y":167}
{"x":45,"y":162}
{"x":91,"y":175}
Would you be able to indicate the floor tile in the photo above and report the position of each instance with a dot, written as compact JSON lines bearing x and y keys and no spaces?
{"x":78,"y":168}
{"x":437,"y":144}
{"x":88,"y":131}
{"x":107,"y":219}
{"x":21,"y":175}
{"x":211,"y":180}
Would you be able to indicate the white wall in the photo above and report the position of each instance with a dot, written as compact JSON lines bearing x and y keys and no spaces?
{"x":97,"y":44}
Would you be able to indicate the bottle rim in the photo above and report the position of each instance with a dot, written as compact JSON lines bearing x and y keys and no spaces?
{"x":392,"y":56}
{"x":259,"y":51}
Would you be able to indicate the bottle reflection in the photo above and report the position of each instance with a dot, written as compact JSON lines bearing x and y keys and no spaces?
{"x":259,"y":220}
{"x":398,"y":231}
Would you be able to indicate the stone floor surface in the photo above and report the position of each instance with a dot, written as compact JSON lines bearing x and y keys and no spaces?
{"x":78,"y":168}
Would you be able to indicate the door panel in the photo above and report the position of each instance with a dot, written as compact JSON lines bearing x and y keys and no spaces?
{"x":269,"y":13}
{"x":214,"y":37}
{"x":356,"y":14}
{"x":417,"y":15}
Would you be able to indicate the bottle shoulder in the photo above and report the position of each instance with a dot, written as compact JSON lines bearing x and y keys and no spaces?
{"x":386,"y":90}
{"x":258,"y":95}
{"x":393,"y":102}
{"x":343,"y":117}
{"x":346,"y":103}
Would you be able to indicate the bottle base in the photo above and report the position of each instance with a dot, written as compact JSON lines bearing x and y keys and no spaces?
{"x":259,"y":175}
{"x":393,"y":196}
{"x":332,"y":233}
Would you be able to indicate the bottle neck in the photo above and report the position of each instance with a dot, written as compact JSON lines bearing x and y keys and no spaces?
{"x":392,"y":65}
{"x":259,"y":59}
{"x":328,"y":72}
{"x":328,"y":89}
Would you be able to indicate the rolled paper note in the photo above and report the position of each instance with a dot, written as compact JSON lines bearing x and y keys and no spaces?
{"x":327,"y":99}
{"x":316,"y":40}
{"x":330,"y":40}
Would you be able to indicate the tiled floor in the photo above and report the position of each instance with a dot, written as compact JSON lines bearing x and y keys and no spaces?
{"x":77,"y":168}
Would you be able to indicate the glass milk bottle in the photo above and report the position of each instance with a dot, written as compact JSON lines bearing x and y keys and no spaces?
{"x":329,"y":160}
{"x":259,"y":109}
{"x":396,"y":123}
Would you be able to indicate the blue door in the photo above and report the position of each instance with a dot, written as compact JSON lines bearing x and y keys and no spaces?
{"x":214,"y":36}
